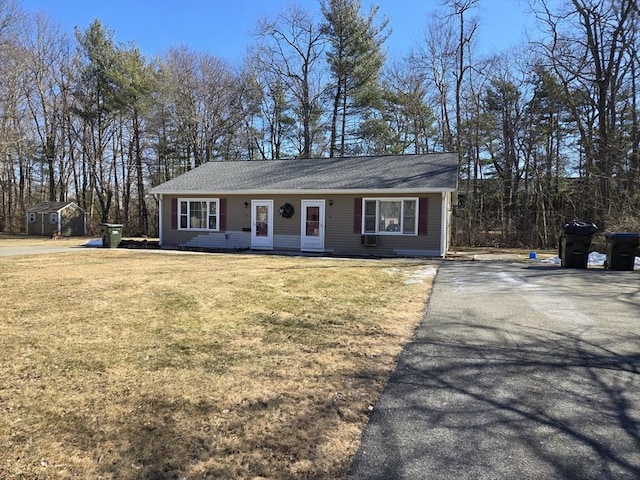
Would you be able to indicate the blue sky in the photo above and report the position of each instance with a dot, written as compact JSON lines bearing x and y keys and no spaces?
{"x":223,"y":27}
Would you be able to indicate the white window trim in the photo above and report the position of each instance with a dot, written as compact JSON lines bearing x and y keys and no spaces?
{"x":390,"y":199}
{"x":53,"y":218}
{"x":33,"y":217}
{"x":208,"y":202}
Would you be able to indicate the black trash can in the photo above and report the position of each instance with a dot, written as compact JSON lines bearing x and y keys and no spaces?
{"x":575,"y":241}
{"x":111,"y":234}
{"x":621,"y":250}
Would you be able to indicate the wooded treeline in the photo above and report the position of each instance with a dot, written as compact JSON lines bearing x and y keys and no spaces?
{"x":546,"y":133}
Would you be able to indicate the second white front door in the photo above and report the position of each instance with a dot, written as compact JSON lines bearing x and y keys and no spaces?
{"x":312,"y":228}
{"x":262,"y":224}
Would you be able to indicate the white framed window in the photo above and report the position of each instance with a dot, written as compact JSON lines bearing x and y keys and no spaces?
{"x":198,"y":214}
{"x":32,"y":217}
{"x":390,"y":216}
{"x":53,"y":218}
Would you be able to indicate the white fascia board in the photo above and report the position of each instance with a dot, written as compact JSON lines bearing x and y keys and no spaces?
{"x":443,"y":225}
{"x":371,"y":191}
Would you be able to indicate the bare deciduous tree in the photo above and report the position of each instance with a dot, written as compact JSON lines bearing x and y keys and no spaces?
{"x":591,"y":56}
{"x":47,"y":55}
{"x":289,"y":55}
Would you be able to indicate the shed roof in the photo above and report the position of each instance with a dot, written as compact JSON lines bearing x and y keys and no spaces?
{"x":49,"y":207}
{"x":428,"y":172}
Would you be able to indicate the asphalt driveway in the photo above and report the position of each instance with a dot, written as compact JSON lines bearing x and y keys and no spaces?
{"x":517,"y":372}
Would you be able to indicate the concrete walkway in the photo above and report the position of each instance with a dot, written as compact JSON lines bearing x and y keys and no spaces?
{"x":31,"y":250}
{"x":517,"y":372}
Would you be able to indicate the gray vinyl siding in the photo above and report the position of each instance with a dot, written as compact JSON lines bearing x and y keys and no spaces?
{"x":238,"y":218}
{"x":49,"y":228}
{"x":340,"y":238}
{"x":72,"y":222}
{"x":34,"y":228}
{"x":42,"y":225}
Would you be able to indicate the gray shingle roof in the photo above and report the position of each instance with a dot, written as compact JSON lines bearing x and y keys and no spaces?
{"x":429,"y":172}
{"x":48,"y":207}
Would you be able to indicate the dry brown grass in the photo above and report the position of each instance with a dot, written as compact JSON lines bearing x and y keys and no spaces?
{"x":21,"y":240}
{"x":499,"y":250}
{"x":122,"y":364}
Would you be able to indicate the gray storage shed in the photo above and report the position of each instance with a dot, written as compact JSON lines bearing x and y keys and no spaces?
{"x":56,"y":218}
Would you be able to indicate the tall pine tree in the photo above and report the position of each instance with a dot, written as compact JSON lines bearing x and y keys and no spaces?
{"x":355,"y":60}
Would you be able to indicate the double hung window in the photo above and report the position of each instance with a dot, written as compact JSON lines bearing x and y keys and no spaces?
{"x":390,"y":216}
{"x":199,"y":214}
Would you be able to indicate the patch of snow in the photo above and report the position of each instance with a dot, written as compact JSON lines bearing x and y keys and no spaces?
{"x":415,"y":276}
{"x":97,"y":242}
{"x":552,"y":260}
{"x":419,"y":276}
{"x":595,"y":259}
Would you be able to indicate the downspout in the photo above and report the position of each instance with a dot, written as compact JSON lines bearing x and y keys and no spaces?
{"x":443,"y":225}
{"x":158,"y":199}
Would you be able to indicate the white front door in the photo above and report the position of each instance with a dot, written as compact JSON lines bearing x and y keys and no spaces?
{"x":312,"y":228}
{"x":262,"y":224}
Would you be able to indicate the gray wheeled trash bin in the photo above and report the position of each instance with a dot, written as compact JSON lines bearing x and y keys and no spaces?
{"x":621,"y":250}
{"x":575,"y":241}
{"x":111,"y":234}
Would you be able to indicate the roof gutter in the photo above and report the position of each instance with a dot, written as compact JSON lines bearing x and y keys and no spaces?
{"x":351,"y":191}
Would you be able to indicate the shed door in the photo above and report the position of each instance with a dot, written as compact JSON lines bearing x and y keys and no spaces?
{"x":312,"y":228}
{"x":262,"y":224}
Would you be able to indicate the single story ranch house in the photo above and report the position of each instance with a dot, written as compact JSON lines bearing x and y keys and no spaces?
{"x":394,"y":205}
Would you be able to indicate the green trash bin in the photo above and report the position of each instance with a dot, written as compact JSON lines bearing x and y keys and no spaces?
{"x":575,"y":241}
{"x":621,"y":250}
{"x":111,"y":234}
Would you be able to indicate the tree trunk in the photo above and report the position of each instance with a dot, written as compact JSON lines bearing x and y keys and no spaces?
{"x":334,"y":120}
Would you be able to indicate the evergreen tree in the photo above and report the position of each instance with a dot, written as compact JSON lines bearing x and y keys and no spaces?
{"x":355,"y":61}
{"x":98,"y":100}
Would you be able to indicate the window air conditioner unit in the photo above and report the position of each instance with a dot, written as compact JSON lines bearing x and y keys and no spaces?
{"x":369,"y":240}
